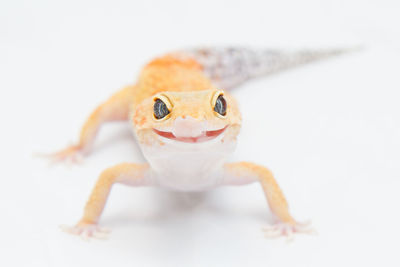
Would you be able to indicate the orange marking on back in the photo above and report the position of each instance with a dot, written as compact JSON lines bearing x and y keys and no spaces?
{"x":169,"y":61}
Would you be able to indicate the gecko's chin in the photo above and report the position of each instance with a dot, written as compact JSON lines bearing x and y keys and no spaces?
{"x":204,"y":137}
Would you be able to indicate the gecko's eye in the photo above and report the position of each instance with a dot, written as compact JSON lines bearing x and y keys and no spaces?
{"x":220,"y":105}
{"x":160,"y":109}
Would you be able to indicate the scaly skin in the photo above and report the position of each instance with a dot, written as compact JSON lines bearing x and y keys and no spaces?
{"x":189,"y":93}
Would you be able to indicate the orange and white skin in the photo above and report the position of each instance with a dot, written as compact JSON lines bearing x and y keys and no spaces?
{"x":186,"y":149}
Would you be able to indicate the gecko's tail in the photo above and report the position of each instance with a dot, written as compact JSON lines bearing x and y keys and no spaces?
{"x":228,"y":67}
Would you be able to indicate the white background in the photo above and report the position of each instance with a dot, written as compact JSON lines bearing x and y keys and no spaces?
{"x":329,"y":131}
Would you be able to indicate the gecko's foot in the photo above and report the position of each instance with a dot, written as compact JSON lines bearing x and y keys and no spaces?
{"x":86,"y":230}
{"x":71,"y":154}
{"x":288,"y":230}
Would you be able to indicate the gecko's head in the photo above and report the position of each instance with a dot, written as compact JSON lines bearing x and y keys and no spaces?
{"x":187,"y":117}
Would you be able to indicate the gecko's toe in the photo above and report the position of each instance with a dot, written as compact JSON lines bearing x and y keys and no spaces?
{"x":288,"y":230}
{"x":86,"y":231}
{"x":71,"y":155}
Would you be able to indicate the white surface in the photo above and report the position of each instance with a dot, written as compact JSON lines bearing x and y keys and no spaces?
{"x":329,"y":131}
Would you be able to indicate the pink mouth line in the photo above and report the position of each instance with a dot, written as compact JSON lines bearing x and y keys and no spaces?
{"x":206,"y":136}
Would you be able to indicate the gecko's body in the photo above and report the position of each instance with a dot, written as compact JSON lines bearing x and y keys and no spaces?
{"x":186,"y":126}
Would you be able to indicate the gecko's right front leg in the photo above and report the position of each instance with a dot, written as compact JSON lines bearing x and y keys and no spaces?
{"x":116,"y":108}
{"x":125,"y":173}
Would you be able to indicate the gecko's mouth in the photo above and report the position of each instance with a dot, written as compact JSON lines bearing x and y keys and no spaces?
{"x":205,"y":136}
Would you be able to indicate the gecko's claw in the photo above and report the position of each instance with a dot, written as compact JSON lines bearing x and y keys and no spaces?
{"x":86,"y":231}
{"x":288,"y":230}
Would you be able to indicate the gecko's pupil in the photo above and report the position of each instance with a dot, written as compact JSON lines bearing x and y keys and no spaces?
{"x":220,"y":105}
{"x":160,"y":109}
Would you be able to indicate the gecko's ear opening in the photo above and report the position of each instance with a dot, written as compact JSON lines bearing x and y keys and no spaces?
{"x":219,"y":104}
{"x":162,"y":108}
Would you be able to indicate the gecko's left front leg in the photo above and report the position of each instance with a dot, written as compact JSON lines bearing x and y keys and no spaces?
{"x":125,"y":173}
{"x":246,"y":172}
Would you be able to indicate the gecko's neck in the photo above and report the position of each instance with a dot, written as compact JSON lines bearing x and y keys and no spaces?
{"x":183,"y":166}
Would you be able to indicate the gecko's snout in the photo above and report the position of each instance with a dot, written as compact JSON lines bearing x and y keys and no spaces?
{"x":190,"y":130}
{"x":187,"y":126}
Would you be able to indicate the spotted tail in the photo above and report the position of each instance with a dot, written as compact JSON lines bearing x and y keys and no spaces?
{"x":228,"y":67}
